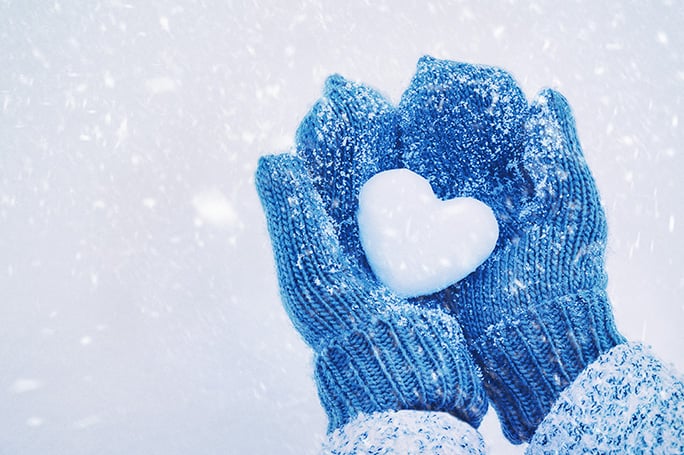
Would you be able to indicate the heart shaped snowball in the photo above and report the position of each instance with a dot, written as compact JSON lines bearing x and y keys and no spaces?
{"x":417,"y":244}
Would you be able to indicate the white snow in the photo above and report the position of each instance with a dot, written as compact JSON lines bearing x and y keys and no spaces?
{"x":214,"y":208}
{"x":662,"y":37}
{"x":86,"y":340}
{"x":164,"y":23}
{"x":34,"y":421}
{"x":162,"y":84}
{"x":417,"y":244}
{"x":23,"y":385}
{"x":86,"y":422}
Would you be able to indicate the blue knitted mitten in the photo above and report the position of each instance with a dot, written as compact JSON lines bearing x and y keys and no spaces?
{"x":536,"y":313}
{"x":373,"y":351}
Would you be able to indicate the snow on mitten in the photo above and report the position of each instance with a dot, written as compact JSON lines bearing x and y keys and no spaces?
{"x":373,"y":351}
{"x":535,"y":313}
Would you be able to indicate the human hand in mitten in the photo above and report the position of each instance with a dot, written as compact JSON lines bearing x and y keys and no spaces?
{"x":535,"y":313}
{"x":373,"y":350}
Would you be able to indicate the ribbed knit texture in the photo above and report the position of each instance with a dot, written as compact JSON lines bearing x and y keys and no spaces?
{"x":535,"y":314}
{"x":373,"y":351}
{"x":627,"y":401}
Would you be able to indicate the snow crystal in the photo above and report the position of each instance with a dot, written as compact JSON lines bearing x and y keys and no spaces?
{"x":86,"y":422}
{"x":662,"y":37}
{"x":149,"y":202}
{"x":122,"y":131}
{"x":214,"y":208}
{"x":161,"y":85}
{"x":23,"y":385}
{"x":164,"y":23}
{"x":34,"y":421}
{"x":108,"y":80}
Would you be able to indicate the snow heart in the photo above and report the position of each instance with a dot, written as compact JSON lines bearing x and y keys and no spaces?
{"x":417,"y":244}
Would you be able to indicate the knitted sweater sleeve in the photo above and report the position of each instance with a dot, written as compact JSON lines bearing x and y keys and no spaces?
{"x":405,"y":432}
{"x":626,"y":401}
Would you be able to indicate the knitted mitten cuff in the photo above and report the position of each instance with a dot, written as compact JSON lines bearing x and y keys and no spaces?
{"x":531,"y":356}
{"x":397,"y":362}
{"x":405,"y":433}
{"x":627,"y":401}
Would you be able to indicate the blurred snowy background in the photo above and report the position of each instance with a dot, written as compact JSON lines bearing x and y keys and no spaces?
{"x":139,"y":310}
